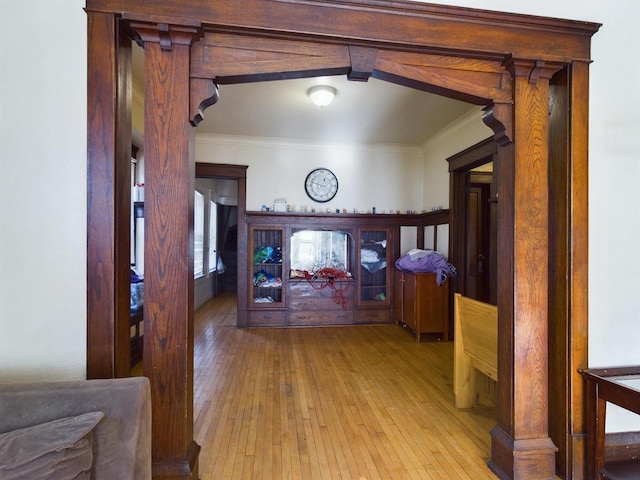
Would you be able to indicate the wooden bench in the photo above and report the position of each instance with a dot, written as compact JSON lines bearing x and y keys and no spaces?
{"x":475,"y":347}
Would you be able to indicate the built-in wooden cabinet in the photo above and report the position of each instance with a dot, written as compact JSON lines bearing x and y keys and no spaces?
{"x":275,"y":296}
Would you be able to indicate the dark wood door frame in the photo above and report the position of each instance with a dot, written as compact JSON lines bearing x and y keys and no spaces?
{"x":480,"y":276}
{"x":508,"y":63}
{"x":460,"y":166}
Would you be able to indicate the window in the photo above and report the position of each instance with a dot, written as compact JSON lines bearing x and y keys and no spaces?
{"x":198,"y":235}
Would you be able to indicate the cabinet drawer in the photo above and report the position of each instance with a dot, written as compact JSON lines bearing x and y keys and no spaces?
{"x":303,"y":296}
{"x":373,"y":315}
{"x":317,"y":303}
{"x":267,"y":318}
{"x":313,"y":317}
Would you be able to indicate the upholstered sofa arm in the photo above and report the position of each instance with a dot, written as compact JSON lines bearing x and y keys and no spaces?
{"x":121,"y":440}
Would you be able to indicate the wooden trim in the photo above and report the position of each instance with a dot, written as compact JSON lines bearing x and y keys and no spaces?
{"x":221,"y":170}
{"x":577,"y":212}
{"x":474,"y":156}
{"x":375,"y":22}
{"x":108,"y":198}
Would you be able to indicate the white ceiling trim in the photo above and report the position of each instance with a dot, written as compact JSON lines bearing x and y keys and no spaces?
{"x":240,"y":140}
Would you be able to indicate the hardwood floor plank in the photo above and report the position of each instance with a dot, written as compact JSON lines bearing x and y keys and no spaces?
{"x":356,"y":402}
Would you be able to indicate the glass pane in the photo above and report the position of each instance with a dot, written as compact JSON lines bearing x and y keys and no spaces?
{"x":313,"y":250}
{"x":198,"y":235}
{"x":631,"y":381}
{"x":373,"y":266}
{"x":267,"y":266}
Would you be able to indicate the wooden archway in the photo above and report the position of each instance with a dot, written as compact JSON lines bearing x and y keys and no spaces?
{"x":511,"y":64}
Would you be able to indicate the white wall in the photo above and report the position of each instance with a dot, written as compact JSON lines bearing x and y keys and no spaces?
{"x":614,"y":169}
{"x":386,"y":177}
{"x":43,"y":150}
{"x":464,"y":133}
{"x":614,"y":175}
{"x":42,"y":190}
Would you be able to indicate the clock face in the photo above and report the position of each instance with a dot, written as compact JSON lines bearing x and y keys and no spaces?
{"x":321,"y":185}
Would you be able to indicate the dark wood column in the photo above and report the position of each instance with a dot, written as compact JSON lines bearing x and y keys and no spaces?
{"x":568,"y":254}
{"x":169,"y":187}
{"x":108,"y":196}
{"x":521,"y":446}
{"x":577,"y":264}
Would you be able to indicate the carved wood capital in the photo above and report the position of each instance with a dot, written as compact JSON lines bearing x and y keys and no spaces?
{"x":533,"y":70}
{"x":165,"y":34}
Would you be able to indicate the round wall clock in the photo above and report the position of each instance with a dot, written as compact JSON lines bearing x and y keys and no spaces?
{"x":321,"y":185}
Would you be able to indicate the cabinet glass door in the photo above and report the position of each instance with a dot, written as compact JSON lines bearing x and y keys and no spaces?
{"x":266,"y":272}
{"x":373,"y":258}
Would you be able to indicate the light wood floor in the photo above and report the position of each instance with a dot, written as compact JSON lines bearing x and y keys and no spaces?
{"x":363,"y":403}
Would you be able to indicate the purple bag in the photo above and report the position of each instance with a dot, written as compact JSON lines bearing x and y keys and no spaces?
{"x":429,"y":261}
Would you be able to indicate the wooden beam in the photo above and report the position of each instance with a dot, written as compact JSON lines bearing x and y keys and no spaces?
{"x":485,"y":34}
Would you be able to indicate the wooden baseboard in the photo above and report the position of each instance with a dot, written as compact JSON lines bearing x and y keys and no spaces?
{"x":178,"y":469}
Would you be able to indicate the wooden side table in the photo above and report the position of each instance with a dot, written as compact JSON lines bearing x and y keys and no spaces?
{"x":620,"y":386}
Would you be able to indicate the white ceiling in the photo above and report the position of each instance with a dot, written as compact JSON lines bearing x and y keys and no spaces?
{"x":373,"y":112}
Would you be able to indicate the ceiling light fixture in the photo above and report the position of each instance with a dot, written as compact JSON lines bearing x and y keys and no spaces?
{"x":322,"y":95}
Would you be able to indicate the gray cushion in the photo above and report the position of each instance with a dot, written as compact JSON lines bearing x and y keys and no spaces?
{"x":55,"y":450}
{"x":122,"y":439}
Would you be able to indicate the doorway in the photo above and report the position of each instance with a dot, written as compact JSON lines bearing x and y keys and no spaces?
{"x":230,"y":184}
{"x":440,"y":48}
{"x":478,"y":243}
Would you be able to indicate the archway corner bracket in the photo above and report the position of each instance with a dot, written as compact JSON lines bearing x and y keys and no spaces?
{"x":203,"y":93}
{"x":499,"y":118}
